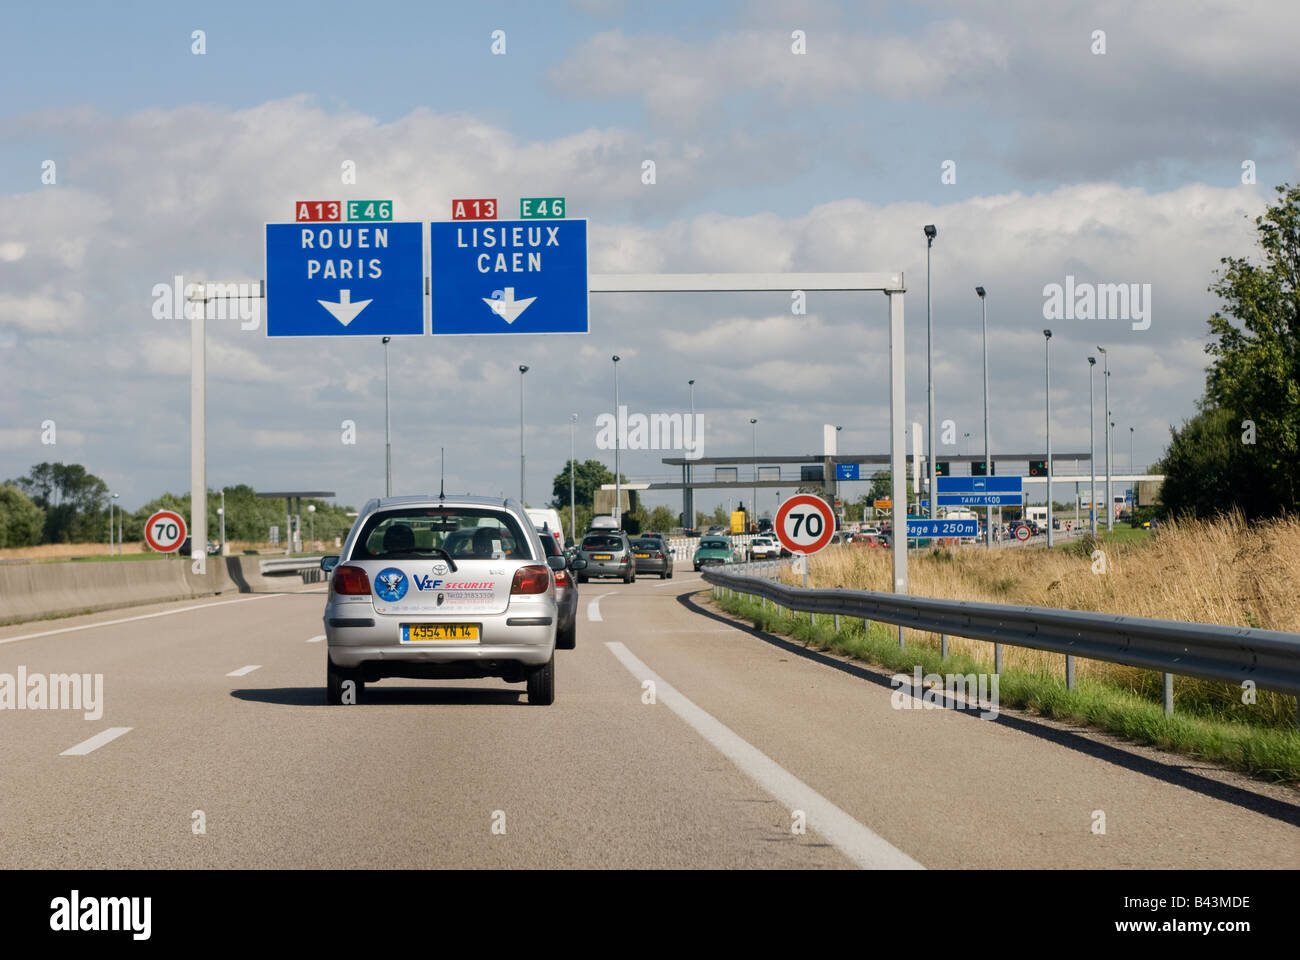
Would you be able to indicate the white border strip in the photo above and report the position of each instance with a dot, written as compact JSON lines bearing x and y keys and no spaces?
{"x":855,"y":841}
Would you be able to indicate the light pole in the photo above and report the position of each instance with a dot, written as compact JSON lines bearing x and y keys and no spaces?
{"x":221,"y":515}
{"x":930,"y":233}
{"x":1047,"y":347}
{"x":1092,"y":450}
{"x":838,"y":496}
{"x":388,"y":430}
{"x":523,"y":368}
{"x":753,"y":503}
{"x":618,"y":490}
{"x":311,"y":521}
{"x":1131,"y":468}
{"x":988,"y":467}
{"x":573,"y":516}
{"x":1110,"y":508}
{"x":688,"y":514}
{"x":111,"y":504}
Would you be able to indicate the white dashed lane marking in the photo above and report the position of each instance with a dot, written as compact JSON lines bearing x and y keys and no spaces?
{"x":95,"y":742}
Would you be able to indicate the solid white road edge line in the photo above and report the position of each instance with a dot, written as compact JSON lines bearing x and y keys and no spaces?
{"x":316,"y":639}
{"x":243,"y":670}
{"x":143,"y":616}
{"x":95,"y":742}
{"x":855,"y":841}
{"x":593,"y":608}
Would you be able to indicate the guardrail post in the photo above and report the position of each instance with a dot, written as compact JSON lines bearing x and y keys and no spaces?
{"x":943,"y":646}
{"x":997,"y":658}
{"x":837,"y":623}
{"x":1069,"y":671}
{"x":1169,"y":694}
{"x":900,"y":638}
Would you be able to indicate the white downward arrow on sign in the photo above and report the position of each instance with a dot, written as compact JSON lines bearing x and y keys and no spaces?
{"x":345,"y":311}
{"x":507,"y":307}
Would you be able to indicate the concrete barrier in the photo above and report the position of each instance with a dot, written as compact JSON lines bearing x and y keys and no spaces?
{"x":35,"y":591}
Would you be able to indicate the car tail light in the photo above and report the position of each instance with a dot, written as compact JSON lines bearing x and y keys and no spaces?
{"x":561,"y":578}
{"x":533,"y":578}
{"x":351,"y":581}
{"x":659,"y":555}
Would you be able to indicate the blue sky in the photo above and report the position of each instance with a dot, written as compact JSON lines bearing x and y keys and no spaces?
{"x":1120,"y":167}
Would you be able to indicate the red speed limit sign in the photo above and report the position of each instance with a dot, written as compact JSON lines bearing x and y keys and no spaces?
{"x":1022,"y":532}
{"x":165,"y":531}
{"x":805,"y":524}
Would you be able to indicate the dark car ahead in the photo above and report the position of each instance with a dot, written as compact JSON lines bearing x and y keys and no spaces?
{"x":566,"y":593}
{"x":652,"y":555}
{"x":608,"y":554}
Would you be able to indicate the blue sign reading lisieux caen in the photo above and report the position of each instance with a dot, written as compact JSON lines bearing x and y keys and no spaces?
{"x":508,"y":276}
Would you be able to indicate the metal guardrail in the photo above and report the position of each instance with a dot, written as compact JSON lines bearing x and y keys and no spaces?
{"x":1269,"y":658}
{"x":307,"y":567}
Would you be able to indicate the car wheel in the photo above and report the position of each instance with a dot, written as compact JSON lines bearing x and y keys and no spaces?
{"x":541,"y":684}
{"x":663,"y":574}
{"x":336,"y":677}
{"x":631,"y":576}
{"x":670,"y":573}
{"x":582,"y":578}
{"x":567,"y":638}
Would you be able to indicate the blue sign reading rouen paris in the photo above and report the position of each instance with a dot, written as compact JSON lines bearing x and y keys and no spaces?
{"x":508,"y":276}
{"x":331,"y":279}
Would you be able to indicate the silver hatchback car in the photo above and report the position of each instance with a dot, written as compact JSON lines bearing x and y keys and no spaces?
{"x":441,"y":588}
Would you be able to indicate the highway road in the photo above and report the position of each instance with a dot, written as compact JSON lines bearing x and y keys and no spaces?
{"x":218,"y":706}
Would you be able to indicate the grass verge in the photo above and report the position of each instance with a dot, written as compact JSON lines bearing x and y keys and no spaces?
{"x":1263,"y":751}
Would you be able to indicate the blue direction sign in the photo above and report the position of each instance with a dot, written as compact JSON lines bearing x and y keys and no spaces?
{"x":942,"y":528}
{"x":980,"y":484}
{"x":980,"y":491}
{"x":508,"y":276}
{"x":847,"y":471}
{"x":344,"y":279}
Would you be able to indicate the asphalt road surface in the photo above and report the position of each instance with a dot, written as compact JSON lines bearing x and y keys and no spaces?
{"x":218,"y":706}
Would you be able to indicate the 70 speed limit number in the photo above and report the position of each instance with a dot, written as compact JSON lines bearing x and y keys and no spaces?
{"x":805,"y":524}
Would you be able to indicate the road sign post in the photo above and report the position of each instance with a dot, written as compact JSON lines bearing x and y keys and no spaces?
{"x":804,"y":524}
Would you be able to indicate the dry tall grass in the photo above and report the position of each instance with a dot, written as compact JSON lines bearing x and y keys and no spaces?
{"x":1223,"y":571}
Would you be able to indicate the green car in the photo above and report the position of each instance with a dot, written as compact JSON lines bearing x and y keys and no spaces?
{"x":713,"y":552}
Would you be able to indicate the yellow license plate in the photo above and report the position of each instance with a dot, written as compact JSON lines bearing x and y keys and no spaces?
{"x":426,"y":632}
{"x":601,"y":556}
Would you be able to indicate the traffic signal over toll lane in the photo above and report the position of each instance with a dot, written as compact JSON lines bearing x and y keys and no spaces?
{"x":1038,"y":468}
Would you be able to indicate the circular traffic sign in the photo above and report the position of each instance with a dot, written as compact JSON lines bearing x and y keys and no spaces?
{"x":804,"y":524}
{"x":1022,"y":532}
{"x":165,"y":531}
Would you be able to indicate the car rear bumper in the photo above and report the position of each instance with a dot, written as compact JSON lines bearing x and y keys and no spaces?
{"x":650,"y":565}
{"x":607,"y":568}
{"x":524,"y":633}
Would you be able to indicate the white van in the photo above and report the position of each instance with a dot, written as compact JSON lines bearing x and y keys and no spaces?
{"x":548,"y":519}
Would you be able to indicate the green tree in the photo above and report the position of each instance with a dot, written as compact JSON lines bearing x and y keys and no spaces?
{"x":75,"y":501}
{"x":1255,"y":375}
{"x":21,"y":519}
{"x":588,"y":477}
{"x":1206,"y":467}
{"x":662,"y":519}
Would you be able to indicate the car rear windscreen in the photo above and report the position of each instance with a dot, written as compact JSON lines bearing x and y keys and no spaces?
{"x":715,"y":544}
{"x":602,"y":543}
{"x":417,"y":533}
{"x":647,"y":545}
